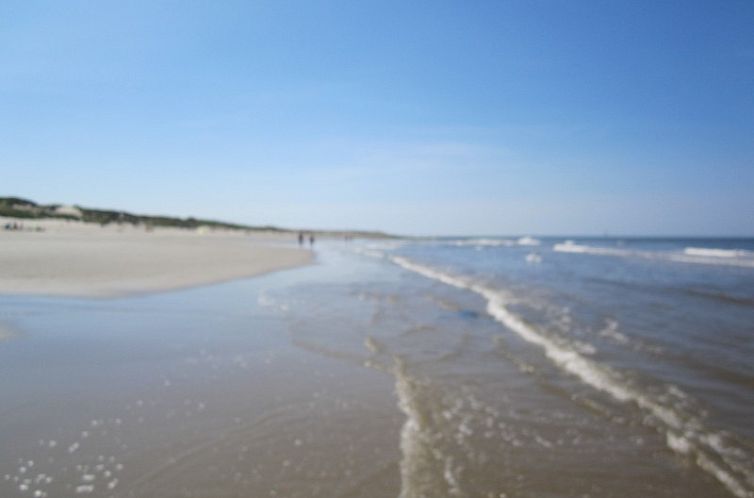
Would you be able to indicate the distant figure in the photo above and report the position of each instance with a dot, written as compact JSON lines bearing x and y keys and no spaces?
{"x":311,"y":239}
{"x":300,"y":239}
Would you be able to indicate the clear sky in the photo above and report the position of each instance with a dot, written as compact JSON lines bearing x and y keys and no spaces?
{"x":426,"y":117}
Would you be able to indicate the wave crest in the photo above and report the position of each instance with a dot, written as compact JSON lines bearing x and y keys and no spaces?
{"x":684,"y":432}
{"x":692,"y":255}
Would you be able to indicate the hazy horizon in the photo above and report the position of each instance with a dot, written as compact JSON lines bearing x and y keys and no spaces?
{"x":541,"y":118}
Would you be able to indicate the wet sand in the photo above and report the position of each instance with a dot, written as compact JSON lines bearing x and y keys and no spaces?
{"x":348,"y":378}
{"x":195,"y":393}
{"x":78,"y":259}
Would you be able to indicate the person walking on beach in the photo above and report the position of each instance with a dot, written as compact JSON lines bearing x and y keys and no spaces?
{"x":300,"y":239}
{"x":311,"y":240}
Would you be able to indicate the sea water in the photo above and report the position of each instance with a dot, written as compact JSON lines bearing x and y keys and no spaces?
{"x":648,"y":335}
{"x":489,"y":367}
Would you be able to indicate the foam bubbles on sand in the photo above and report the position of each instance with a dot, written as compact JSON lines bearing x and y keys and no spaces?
{"x":68,"y":468}
{"x":28,"y":481}
{"x":84,"y":489}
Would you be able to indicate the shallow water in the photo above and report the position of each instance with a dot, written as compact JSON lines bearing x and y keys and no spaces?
{"x":456,"y":367}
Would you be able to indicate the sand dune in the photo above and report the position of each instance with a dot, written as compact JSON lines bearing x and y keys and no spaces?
{"x":78,"y":259}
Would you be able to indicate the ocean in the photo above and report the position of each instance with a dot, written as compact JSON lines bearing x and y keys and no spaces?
{"x":458,"y":367}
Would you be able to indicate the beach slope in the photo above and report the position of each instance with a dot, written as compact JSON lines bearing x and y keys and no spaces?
{"x":85,"y":260}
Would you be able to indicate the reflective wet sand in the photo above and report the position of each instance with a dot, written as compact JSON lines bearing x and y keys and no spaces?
{"x":350,"y":378}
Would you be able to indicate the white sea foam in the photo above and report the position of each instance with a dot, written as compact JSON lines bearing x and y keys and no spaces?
{"x":484,"y":242}
{"x":690,"y":255}
{"x":611,"y":331}
{"x":533,"y":258}
{"x":741,"y":261}
{"x":488,"y":242}
{"x":694,"y":439}
{"x":678,"y":443}
{"x":730,"y":482}
{"x":527,"y":241}
{"x":416,"y":441}
{"x":571,"y":246}
{"x":434,"y":436}
{"x":716,"y":253}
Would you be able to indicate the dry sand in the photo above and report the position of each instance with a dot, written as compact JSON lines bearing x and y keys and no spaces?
{"x":81,"y":259}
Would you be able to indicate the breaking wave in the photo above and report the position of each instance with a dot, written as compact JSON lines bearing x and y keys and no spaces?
{"x":488,"y":242}
{"x":422,"y":461}
{"x":693,"y":255}
{"x":527,"y":241}
{"x":716,"y":253}
{"x":572,"y":247}
{"x":484,"y":242}
{"x":685,"y":433}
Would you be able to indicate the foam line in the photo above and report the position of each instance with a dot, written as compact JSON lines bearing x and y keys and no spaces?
{"x":691,"y":255}
{"x":716,"y":253}
{"x":684,"y":433}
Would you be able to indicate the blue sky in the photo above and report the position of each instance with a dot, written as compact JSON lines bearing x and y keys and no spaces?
{"x":501,"y":117}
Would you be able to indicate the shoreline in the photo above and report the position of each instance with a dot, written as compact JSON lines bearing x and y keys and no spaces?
{"x":73,"y":259}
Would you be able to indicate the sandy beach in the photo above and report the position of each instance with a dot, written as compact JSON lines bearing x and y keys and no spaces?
{"x":87,"y":260}
{"x":383,"y":370}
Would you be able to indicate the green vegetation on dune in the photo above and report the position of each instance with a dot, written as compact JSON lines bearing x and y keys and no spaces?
{"x":16,"y":207}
